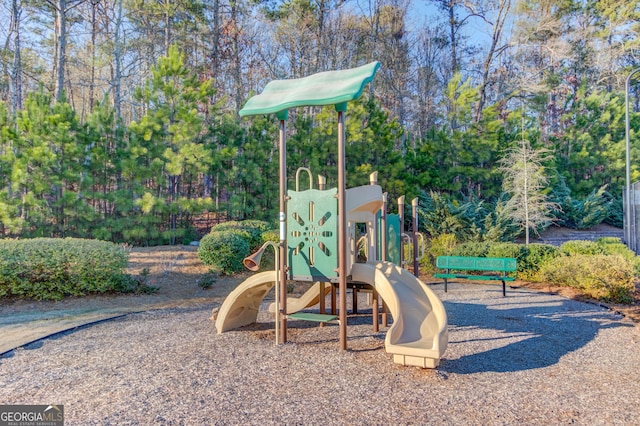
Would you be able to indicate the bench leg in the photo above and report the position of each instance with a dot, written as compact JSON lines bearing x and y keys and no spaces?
{"x":504,"y":289}
{"x":445,"y":285}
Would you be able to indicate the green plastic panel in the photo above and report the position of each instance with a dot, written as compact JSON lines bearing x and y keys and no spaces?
{"x":393,"y":238}
{"x":312,"y":235}
{"x":325,"y":88}
{"x":306,"y":316}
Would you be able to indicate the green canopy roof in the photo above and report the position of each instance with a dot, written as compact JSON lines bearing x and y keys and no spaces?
{"x":325,"y":88}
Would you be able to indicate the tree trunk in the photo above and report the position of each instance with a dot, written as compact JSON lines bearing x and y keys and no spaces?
{"x":15,"y":82}
{"x":117,"y":58}
{"x":215,"y":43}
{"x":496,"y":35}
{"x":237,"y":69}
{"x":94,"y":29}
{"x":60,"y":7}
{"x":167,"y":31}
{"x":453,"y":38}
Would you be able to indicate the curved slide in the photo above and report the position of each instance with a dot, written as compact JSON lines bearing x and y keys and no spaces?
{"x":242,"y":305}
{"x":418,"y":335}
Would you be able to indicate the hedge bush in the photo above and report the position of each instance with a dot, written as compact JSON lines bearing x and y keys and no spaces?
{"x":272,"y":235}
{"x":536,"y":257}
{"x":575,"y":247}
{"x":471,"y":249}
{"x":224,"y":250}
{"x":605,"y":277}
{"x":52,"y":268}
{"x":250,"y":230}
{"x":442,"y":245}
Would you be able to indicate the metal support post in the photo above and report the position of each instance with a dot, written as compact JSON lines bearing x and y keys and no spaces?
{"x":630,"y":239}
{"x":401,"y":215}
{"x":414,"y":212}
{"x":282,"y":116}
{"x":342,"y":226}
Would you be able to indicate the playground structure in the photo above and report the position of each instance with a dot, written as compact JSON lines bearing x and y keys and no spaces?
{"x":318,"y":242}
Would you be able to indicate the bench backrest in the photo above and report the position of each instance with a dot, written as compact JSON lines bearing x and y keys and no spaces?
{"x":504,"y":264}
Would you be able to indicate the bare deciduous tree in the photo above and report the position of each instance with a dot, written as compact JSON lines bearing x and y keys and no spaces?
{"x":525,"y":180}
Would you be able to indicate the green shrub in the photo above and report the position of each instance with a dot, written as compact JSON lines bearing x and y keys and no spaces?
{"x":609,"y":240}
{"x":442,"y":245}
{"x":614,"y":217}
{"x":52,"y":268}
{"x":471,"y":249}
{"x":224,"y":251}
{"x":575,"y":247}
{"x":207,"y":280}
{"x":604,"y":277}
{"x":518,"y":251}
{"x":537,"y":255}
{"x":272,"y":235}
{"x":125,"y":283}
{"x":613,"y":245}
{"x":586,"y":213}
{"x":250,"y":230}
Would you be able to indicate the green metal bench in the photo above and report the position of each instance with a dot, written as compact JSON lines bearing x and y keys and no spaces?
{"x":502,"y":265}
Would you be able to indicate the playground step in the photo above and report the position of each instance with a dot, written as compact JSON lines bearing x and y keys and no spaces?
{"x":305,"y":316}
{"x":416,"y":361}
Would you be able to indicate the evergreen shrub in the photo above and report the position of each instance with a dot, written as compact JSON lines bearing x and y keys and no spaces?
{"x":250,"y":230}
{"x":271,"y":235}
{"x":442,"y":245}
{"x":575,"y":247}
{"x":471,"y":249}
{"x":224,"y":250}
{"x":613,"y":245}
{"x":52,"y":268}
{"x":604,"y":277}
{"x":537,"y":256}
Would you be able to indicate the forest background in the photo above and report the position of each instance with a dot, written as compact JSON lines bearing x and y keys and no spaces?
{"x":119,"y":118}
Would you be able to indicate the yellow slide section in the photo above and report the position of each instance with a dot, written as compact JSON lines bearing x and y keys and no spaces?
{"x":418,"y":335}
{"x":241,"y":306}
{"x":310,"y":298}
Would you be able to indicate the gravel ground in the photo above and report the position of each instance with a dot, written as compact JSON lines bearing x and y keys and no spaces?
{"x":529,"y":358}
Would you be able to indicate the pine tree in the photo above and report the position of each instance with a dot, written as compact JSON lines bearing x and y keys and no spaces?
{"x":170,"y":144}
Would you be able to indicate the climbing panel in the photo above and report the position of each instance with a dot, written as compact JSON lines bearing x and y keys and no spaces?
{"x":312,"y":235}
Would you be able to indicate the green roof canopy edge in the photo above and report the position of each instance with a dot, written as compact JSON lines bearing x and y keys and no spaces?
{"x":324,"y":88}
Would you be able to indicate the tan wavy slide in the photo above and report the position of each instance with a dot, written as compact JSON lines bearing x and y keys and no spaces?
{"x":418,"y":335}
{"x":242,"y":304}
